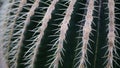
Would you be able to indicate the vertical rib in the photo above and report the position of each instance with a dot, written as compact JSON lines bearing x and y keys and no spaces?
{"x":61,"y":39}
{"x":86,"y":33}
{"x":22,"y":3}
{"x":111,"y":33}
{"x":42,"y":28}
{"x":26,"y":23}
{"x":9,"y":24}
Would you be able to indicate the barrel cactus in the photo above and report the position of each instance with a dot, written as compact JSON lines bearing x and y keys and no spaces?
{"x":59,"y":34}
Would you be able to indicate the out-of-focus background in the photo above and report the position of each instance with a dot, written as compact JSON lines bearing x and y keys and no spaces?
{"x":1,"y":53}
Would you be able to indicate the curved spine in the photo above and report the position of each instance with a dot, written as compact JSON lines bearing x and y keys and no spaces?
{"x":19,"y":9}
{"x":42,"y":28}
{"x":62,"y":36}
{"x":8,"y":24}
{"x":86,"y":33}
{"x":26,"y":23}
{"x":111,"y":34}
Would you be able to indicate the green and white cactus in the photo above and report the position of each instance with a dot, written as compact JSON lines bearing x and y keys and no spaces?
{"x":59,"y":34}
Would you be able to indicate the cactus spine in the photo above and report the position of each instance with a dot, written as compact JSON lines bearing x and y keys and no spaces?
{"x":42,"y":33}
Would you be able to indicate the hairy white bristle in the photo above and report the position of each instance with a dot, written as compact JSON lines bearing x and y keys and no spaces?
{"x":63,"y":30}
{"x":23,"y":30}
{"x":8,"y":24}
{"x":41,"y":29}
{"x":86,"y":33}
{"x":111,"y":34}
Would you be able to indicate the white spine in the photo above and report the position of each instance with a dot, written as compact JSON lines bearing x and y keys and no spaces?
{"x":111,"y":33}
{"x":86,"y":33}
{"x":42,"y":28}
{"x":63,"y":31}
{"x":26,"y":23}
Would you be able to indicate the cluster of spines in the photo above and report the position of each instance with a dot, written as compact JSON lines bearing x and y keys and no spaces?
{"x":7,"y":24}
{"x":111,"y":53}
{"x":86,"y":32}
{"x":58,"y":45}
{"x":41,"y":30}
{"x":30,"y":13}
{"x":111,"y":34}
{"x":32,"y":50}
{"x":17,"y":34}
{"x":13,"y":45}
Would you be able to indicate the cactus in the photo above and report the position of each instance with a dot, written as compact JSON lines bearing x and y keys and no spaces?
{"x":59,"y":34}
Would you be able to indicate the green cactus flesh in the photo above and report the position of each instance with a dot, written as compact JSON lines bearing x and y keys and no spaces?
{"x":59,"y":34}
